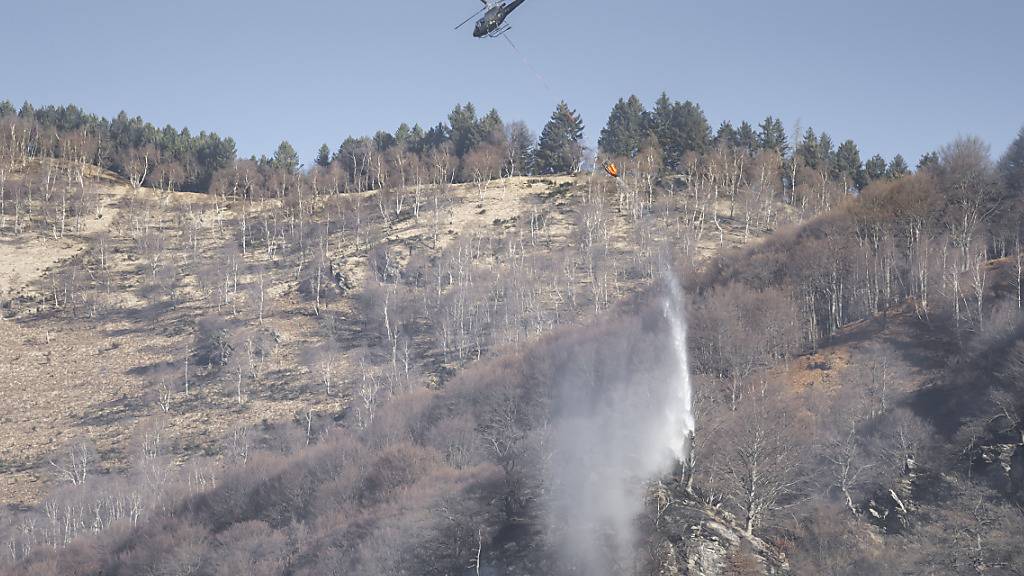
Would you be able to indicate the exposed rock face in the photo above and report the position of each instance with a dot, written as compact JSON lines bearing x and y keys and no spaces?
{"x":693,"y":540}
{"x":889,"y":511}
{"x":1006,"y":460}
{"x":890,"y":508}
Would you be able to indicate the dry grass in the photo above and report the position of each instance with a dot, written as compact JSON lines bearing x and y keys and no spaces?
{"x":64,"y":378}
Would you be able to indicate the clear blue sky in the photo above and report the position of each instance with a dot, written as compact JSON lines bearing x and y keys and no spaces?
{"x":897,"y":76}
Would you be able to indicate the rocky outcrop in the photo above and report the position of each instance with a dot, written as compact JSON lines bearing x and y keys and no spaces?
{"x":1006,"y":461}
{"x":890,"y":508}
{"x":694,"y":540}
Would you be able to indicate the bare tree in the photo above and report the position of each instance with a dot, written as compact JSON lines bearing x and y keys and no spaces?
{"x":76,"y":463}
{"x":137,"y":164}
{"x":762,"y":469}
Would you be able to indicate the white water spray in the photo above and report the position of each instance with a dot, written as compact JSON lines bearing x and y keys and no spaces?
{"x":623,"y":416}
{"x":680,"y":420}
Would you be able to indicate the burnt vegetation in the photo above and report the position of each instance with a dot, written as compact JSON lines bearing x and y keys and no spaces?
{"x":382,"y":343}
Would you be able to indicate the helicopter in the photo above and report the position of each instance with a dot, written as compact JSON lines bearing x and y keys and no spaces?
{"x":492,"y":24}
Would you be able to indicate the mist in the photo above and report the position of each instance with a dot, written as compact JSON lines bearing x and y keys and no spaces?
{"x":623,"y":418}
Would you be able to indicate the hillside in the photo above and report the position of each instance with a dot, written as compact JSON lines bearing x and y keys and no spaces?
{"x":96,"y":336}
{"x":370,"y":372}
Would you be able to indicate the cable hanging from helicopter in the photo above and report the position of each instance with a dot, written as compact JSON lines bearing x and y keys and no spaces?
{"x":492,"y":25}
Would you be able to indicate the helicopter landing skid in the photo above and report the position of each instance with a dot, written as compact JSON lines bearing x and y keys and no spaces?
{"x":499,"y":31}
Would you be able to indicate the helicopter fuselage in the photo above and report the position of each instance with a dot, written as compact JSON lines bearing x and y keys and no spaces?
{"x":494,"y":18}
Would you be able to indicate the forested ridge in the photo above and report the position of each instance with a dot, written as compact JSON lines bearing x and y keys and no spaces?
{"x":365,"y":366}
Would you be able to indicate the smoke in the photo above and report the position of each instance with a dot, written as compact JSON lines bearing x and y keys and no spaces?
{"x":623,"y":417}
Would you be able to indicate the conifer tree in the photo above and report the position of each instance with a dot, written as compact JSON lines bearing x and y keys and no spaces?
{"x":927,"y":161}
{"x":560,"y":148}
{"x":808,"y":149}
{"x":875,"y":168}
{"x":826,"y":155}
{"x":746,"y":137}
{"x":773,"y":136}
{"x":323,"y":157}
{"x":465,"y":129}
{"x":897,"y":168}
{"x":726,"y":135}
{"x":491,"y":128}
{"x":848,"y":165}
{"x":383,"y":141}
{"x":679,"y":128}
{"x":285,"y":158}
{"x":627,"y":129}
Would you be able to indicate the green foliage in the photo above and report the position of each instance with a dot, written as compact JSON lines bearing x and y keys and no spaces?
{"x":323,"y":156}
{"x":746,"y":137}
{"x":826,"y":154}
{"x":928,"y":161}
{"x":897,"y":168}
{"x":773,"y":136}
{"x":680,"y":128}
{"x":491,"y":128}
{"x":465,"y":129}
{"x":561,"y":143}
{"x":848,"y":165}
{"x":875,"y":168}
{"x":726,"y":135}
{"x":285,"y":158}
{"x":383,"y":141}
{"x":627,"y":129}
{"x":808,"y":150}
{"x":199,"y":157}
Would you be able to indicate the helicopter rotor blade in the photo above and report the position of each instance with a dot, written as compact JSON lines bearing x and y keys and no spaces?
{"x":466,"y":21}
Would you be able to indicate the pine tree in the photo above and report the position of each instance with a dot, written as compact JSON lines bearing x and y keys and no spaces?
{"x":285,"y":158}
{"x":808,"y":149}
{"x":437,"y":137}
{"x":746,"y":137}
{"x":773,"y":136}
{"x":897,"y":168}
{"x":1011,"y":166}
{"x":726,"y":135}
{"x":927,"y":161}
{"x":848,"y":166}
{"x":323,"y":157}
{"x":465,"y":129}
{"x":491,"y":128}
{"x":560,"y":148}
{"x":403,"y":134}
{"x":627,"y":129}
{"x":875,"y":168}
{"x":680,"y":128}
{"x":383,"y":141}
{"x":826,"y":155}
